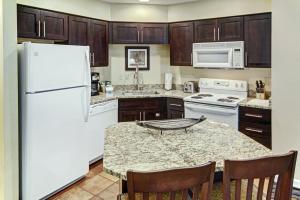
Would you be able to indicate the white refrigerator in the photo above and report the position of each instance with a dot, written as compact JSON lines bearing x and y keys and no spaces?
{"x":54,"y":106}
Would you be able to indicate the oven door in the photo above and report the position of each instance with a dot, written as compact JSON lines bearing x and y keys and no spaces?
{"x":213,"y":58}
{"x":228,"y":115}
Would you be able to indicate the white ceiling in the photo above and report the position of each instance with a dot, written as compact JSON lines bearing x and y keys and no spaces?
{"x":159,"y":2}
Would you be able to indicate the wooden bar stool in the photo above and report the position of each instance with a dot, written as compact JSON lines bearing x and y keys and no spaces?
{"x":172,"y":184}
{"x":265,"y":169}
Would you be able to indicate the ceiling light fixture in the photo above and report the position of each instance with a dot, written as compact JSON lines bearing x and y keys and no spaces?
{"x":144,"y":1}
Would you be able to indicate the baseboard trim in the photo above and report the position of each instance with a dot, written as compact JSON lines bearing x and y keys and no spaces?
{"x":296,"y":184}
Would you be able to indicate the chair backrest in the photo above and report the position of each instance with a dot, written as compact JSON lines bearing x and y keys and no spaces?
{"x":270,"y":171}
{"x":198,"y":179}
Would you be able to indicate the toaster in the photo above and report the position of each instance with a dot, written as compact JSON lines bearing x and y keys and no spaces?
{"x":190,"y":87}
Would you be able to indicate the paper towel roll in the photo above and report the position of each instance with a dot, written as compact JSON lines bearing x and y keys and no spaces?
{"x":168,"y":81}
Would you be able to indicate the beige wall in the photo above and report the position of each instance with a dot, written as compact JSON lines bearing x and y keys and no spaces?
{"x":89,"y":8}
{"x":216,"y":8}
{"x":9,"y":125}
{"x":139,"y":13}
{"x":285,"y":59}
{"x":2,"y":155}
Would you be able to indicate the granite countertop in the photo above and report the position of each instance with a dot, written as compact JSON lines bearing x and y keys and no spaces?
{"x":128,"y":146}
{"x":247,"y":103}
{"x":118,"y":94}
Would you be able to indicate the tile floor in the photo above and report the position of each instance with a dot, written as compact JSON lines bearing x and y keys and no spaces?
{"x":97,"y":185}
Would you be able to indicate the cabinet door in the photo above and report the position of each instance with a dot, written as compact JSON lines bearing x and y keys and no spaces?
{"x":78,"y":31}
{"x":130,"y":115}
{"x":181,"y":43}
{"x":55,"y":25}
{"x":98,"y":40}
{"x":230,"y":29}
{"x":29,"y":24}
{"x":154,"y":34}
{"x":175,"y":114}
{"x":125,"y":33}
{"x":258,"y":40}
{"x":206,"y":30}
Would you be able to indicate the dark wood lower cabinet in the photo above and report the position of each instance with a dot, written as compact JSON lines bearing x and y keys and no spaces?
{"x":144,"y":109}
{"x":256,"y":124}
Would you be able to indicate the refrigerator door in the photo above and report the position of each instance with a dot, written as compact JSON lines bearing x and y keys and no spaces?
{"x":47,"y":67}
{"x":53,"y":141}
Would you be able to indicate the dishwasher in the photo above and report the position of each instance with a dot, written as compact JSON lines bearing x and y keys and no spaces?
{"x":102,"y":115}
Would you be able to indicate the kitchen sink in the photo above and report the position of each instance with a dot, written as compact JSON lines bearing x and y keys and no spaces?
{"x":133,"y":93}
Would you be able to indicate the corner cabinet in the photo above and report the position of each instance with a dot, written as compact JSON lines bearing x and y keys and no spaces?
{"x":258,"y":40}
{"x":139,"y":33}
{"x":94,"y":33}
{"x":181,"y":43}
{"x":41,"y":24}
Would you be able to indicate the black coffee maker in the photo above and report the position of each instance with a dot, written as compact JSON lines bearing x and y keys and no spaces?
{"x":95,"y":77}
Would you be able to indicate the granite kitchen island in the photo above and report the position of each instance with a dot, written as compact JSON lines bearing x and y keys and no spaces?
{"x":128,"y":146}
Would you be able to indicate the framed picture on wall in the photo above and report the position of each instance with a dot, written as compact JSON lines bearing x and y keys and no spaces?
{"x":137,"y":56}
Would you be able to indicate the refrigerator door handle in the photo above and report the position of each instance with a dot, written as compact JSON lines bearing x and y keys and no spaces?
{"x":88,"y":87}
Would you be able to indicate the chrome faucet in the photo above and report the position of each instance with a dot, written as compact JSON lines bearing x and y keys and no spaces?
{"x":137,"y":78}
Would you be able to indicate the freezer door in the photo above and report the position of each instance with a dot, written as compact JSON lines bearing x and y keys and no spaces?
{"x":53,"y":141}
{"x":47,"y":67}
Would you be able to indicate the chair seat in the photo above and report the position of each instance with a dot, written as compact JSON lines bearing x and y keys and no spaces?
{"x":217,"y":193}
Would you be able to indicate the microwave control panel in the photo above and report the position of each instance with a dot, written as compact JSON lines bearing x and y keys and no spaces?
{"x":237,"y":58}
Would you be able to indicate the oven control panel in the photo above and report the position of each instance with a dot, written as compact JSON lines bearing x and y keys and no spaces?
{"x":222,"y":84}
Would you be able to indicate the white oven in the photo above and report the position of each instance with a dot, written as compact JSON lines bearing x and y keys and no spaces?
{"x":228,"y":115}
{"x":218,"y":55}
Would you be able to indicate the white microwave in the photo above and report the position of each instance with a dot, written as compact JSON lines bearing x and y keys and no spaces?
{"x":219,"y":55}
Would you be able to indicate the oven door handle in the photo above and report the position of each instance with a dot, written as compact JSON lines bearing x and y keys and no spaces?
{"x":211,"y":110}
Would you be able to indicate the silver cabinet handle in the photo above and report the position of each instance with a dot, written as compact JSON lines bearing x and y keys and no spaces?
{"x":144,"y":115}
{"x":218,"y":33}
{"x":142,"y":36}
{"x":174,"y":104}
{"x":140,"y":116}
{"x":191,"y":58}
{"x":44,"y":29}
{"x":254,"y":130}
{"x":253,"y":115}
{"x":93,"y":58}
{"x":214,"y":33}
{"x":138,"y":36}
{"x":246,"y":58}
{"x":39,"y":31}
{"x":182,"y":116}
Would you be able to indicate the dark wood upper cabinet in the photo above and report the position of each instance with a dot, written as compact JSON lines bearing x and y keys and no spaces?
{"x":181,"y":43}
{"x":78,"y":30}
{"x":29,"y":22}
{"x":55,"y":25}
{"x":258,"y":40}
{"x":94,"y":33}
{"x":125,"y":33}
{"x":219,"y":30}
{"x":154,"y":34}
{"x":41,"y":24}
{"x":98,"y":40}
{"x":205,"y":30}
{"x":230,"y":29}
{"x":139,"y":33}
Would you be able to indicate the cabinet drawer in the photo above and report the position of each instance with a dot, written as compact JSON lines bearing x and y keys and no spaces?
{"x":259,"y":132}
{"x":247,"y":114}
{"x":139,"y":104}
{"x":175,"y":104}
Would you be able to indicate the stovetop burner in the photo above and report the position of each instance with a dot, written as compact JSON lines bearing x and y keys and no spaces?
{"x":233,"y":98}
{"x":205,"y":95}
{"x":225,"y":100}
